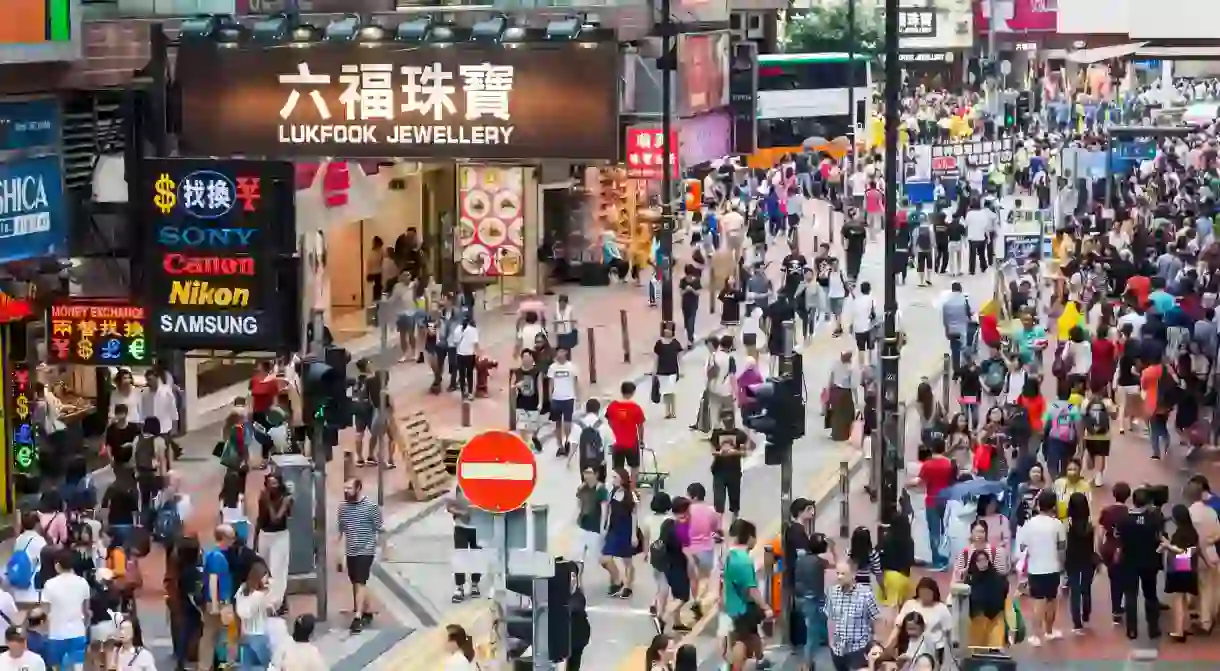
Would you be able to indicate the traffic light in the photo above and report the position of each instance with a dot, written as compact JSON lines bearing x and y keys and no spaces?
{"x":1024,"y":110}
{"x":778,"y":411}
{"x":1010,"y":115}
{"x":549,"y":603}
{"x":338,"y":414}
{"x":318,"y":379}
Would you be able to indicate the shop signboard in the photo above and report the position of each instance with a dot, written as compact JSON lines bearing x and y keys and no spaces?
{"x":97,"y":332}
{"x":917,"y":22}
{"x":703,"y":72}
{"x":491,"y":231}
{"x":217,"y":228}
{"x":468,"y":101}
{"x":743,"y":96}
{"x":704,"y":138}
{"x":35,"y":31}
{"x":29,"y":124}
{"x":948,"y":159}
{"x":23,"y":445}
{"x":32,"y":216}
{"x":645,"y":152}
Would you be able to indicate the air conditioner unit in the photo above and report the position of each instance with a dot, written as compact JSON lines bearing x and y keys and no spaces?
{"x":755,"y":27}
{"x":737,"y":25}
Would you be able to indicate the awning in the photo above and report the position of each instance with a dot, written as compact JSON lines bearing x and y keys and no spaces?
{"x":1179,"y":53}
{"x":1104,"y":53}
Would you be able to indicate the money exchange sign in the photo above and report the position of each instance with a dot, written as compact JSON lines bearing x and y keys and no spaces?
{"x":211,"y":256}
{"x":98,"y":333}
{"x":450,"y":101}
{"x":21,"y":428}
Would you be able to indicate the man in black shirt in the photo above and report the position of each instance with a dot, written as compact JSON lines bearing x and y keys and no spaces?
{"x":120,"y":438}
{"x":1139,"y":538}
{"x":855,"y":235}
{"x":940,"y":231}
{"x":729,"y":445}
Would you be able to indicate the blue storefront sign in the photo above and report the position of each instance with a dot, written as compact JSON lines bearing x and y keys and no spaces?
{"x":32,"y":216}
{"x":29,"y":124}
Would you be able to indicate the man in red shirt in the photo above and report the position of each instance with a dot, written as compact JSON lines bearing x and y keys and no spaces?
{"x":935,"y":474}
{"x":265,"y":386}
{"x":626,"y":420}
{"x":1140,"y":287}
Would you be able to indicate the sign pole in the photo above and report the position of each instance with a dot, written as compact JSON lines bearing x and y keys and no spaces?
{"x":319,"y":476}
{"x":382,"y":400}
{"x":499,"y":539}
{"x":664,"y":265}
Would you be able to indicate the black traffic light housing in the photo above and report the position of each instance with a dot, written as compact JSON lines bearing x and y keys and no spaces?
{"x":778,"y":411}
{"x":558,"y":598}
{"x":318,"y":380}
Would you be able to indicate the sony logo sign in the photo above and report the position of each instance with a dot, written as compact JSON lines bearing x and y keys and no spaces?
{"x":197,"y":236}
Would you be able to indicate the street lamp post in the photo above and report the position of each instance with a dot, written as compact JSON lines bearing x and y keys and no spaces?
{"x":664,"y":265}
{"x":891,"y":425}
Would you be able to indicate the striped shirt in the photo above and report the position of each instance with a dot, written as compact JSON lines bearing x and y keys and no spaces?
{"x":360,"y":522}
{"x":998,"y":560}
{"x":872,"y":567}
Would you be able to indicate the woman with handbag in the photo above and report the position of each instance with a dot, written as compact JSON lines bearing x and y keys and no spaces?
{"x":665,"y":377}
{"x":1181,"y":578}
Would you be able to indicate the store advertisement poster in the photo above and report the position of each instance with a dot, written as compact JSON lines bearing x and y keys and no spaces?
{"x":5,"y":429}
{"x":29,"y":124}
{"x":466,"y":101}
{"x":216,"y":231}
{"x":491,"y":227}
{"x":703,"y":72}
{"x":644,"y":152}
{"x":33,"y":220}
{"x":707,"y":137}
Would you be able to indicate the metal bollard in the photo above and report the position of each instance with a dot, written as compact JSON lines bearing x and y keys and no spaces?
{"x":958,"y":638}
{"x":844,"y":519}
{"x":768,"y":583}
{"x":512,"y":410}
{"x":622,"y":314}
{"x":592,"y":356}
{"x":946,"y":379}
{"x":465,"y":413}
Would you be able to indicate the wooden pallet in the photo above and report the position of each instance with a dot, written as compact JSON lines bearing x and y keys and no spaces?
{"x":423,"y":455}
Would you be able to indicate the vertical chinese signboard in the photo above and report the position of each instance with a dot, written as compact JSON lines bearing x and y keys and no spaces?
{"x":645,"y":152}
{"x":217,"y":230}
{"x":491,"y":230}
{"x":98,"y":333}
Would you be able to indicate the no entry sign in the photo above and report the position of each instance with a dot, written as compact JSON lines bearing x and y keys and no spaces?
{"x":497,"y":471}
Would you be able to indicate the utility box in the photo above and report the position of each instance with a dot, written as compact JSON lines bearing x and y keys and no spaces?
{"x":297,"y":473}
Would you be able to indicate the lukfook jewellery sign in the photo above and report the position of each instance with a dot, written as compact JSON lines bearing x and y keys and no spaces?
{"x":459,"y":101}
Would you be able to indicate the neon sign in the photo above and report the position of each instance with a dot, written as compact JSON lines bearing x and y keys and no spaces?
{"x":98,"y":333}
{"x":25,"y":452}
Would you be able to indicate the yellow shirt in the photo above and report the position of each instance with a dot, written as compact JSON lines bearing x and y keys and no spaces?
{"x":1065,"y":489}
{"x":1076,"y":399}
{"x":1069,"y":319}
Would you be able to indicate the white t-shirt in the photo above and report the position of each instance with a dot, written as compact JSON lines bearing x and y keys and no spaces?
{"x":978,"y":223}
{"x":32,"y":543}
{"x":1136,"y":320}
{"x":1082,"y":357}
{"x":937,"y":621}
{"x":458,"y":662}
{"x":1016,"y":383}
{"x":467,"y":341}
{"x":529,"y":332}
{"x":863,"y":311}
{"x":858,"y":183}
{"x":8,"y":608}
{"x":28,"y":661}
{"x":137,"y":659}
{"x":563,"y":320}
{"x":65,"y":595}
{"x":563,"y":380}
{"x":252,"y":609}
{"x":1041,"y":540}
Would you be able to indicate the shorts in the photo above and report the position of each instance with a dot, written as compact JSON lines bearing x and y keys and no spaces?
{"x":836,"y":306}
{"x":676,"y":579}
{"x":588,"y":544}
{"x":362,"y":418}
{"x":407,"y":321}
{"x":705,"y":560}
{"x":667,"y":384}
{"x":864,"y":341}
{"x":1097,"y":448}
{"x":562,"y":410}
{"x":66,"y":652}
{"x":628,"y":457}
{"x":1044,"y":586}
{"x":528,"y":420}
{"x":358,"y":569}
{"x":923,"y":261}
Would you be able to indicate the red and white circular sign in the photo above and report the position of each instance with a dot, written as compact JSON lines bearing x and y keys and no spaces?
{"x":497,"y":471}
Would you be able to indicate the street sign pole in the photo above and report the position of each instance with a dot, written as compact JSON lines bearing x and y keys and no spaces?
{"x":318,"y":432}
{"x":499,"y":540}
{"x":383,"y":378}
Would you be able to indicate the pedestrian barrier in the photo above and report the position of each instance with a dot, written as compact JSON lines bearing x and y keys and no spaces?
{"x":423,"y":455}
{"x":844,"y":491}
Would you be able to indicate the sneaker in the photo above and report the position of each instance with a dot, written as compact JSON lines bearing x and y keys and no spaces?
{"x":1097,"y":482}
{"x":1079,"y":631}
{"x":356,"y":626}
{"x":366,"y":619}
{"x":1055,"y":635}
{"x":697,"y":610}
{"x":624,"y":593}
{"x":1034,"y":641}
{"x":679,"y":627}
{"x":614,"y":590}
{"x":474,"y":592}
{"x":459,"y":595}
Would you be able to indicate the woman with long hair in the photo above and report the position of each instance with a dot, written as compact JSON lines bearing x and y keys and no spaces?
{"x":988,"y":599}
{"x":1181,"y":577}
{"x":911,"y":638}
{"x":1128,"y":380}
{"x":934,"y":618}
{"x":999,"y":530}
{"x":979,"y":541}
{"x":271,"y":533}
{"x":865,"y":558}
{"x":960,"y":441}
{"x":460,"y":648}
{"x":621,"y":534}
{"x":184,"y":585}
{"x":233,"y":506}
{"x":253,"y":605}
{"x":236,"y":439}
{"x":299,"y":654}
{"x":668,"y":351}
{"x":1080,"y":560}
{"x":660,"y":654}
{"x":897,"y":548}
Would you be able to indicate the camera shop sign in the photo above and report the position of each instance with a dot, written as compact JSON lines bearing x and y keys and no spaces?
{"x":948,"y":159}
{"x":470,"y":101}
{"x":210,"y":270}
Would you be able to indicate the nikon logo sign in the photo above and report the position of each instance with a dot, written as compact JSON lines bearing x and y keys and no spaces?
{"x":195,"y":292}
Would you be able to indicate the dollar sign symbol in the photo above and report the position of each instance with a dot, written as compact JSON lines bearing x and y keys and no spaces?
{"x":84,"y":349}
{"x":23,"y":407}
{"x":165,"y":198}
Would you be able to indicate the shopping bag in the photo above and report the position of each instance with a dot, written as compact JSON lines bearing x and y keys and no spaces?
{"x":1014,"y":623}
{"x":655,"y":393}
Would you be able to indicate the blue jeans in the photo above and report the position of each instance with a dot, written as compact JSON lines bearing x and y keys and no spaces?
{"x":935,"y":518}
{"x":1080,"y":596}
{"x":255,"y":651}
{"x":955,"y":351}
{"x":121,"y":533}
{"x":1057,"y":455}
{"x":1158,"y":434}
{"x":815,"y":625}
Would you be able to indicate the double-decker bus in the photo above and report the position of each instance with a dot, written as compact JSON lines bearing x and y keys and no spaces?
{"x":805,"y":95}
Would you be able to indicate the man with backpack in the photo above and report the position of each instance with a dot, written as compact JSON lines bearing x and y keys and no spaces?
{"x":1062,"y":422}
{"x":168,"y":511}
{"x":592,"y":435}
{"x":923,"y":241}
{"x":23,"y":564}
{"x":366,"y":404}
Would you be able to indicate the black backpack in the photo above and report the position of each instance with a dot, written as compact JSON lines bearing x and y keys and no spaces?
{"x":658,"y":556}
{"x":923,"y":239}
{"x":592,"y":447}
{"x":146,"y":453}
{"x":1096,"y":419}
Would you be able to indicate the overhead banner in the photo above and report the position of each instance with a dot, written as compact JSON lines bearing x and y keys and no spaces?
{"x":217,"y":230}
{"x":32,"y":216}
{"x":467,"y":101}
{"x":703,"y":72}
{"x":952,"y":159}
{"x":97,"y":332}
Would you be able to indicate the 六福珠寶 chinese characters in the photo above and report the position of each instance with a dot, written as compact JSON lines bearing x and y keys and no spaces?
{"x":423,"y":91}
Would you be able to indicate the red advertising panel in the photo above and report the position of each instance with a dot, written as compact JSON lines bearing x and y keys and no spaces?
{"x":645,"y":152}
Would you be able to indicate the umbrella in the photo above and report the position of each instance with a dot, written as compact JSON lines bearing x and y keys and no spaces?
{"x":970,"y":489}
{"x":812,"y":143}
